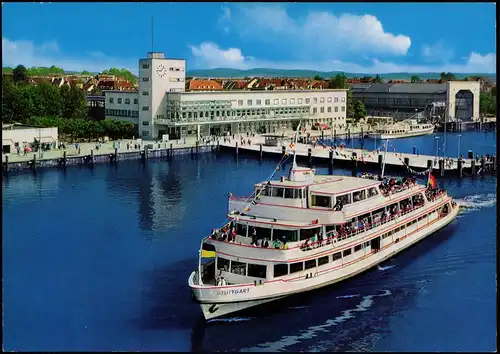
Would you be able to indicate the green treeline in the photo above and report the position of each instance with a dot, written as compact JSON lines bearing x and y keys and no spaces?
{"x":46,"y":105}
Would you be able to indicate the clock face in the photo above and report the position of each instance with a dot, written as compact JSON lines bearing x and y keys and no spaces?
{"x":161,"y":71}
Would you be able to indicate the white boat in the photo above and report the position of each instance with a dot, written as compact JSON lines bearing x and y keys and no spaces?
{"x":306,"y":231}
{"x":404,"y":129}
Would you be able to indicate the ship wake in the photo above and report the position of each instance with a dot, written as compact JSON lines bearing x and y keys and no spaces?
{"x":476,"y":202}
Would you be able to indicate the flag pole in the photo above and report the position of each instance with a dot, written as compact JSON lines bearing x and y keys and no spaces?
{"x":385,"y":153}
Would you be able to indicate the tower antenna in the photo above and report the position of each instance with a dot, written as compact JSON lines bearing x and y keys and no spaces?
{"x":152,"y":32}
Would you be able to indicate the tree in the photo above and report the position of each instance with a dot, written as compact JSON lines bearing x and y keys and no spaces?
{"x":11,"y":97}
{"x":359,"y":110}
{"x":415,"y":79}
{"x":19,"y":74}
{"x":126,"y":74}
{"x":85,"y":72}
{"x":317,"y":78}
{"x":487,"y":104}
{"x":447,"y":77}
{"x":338,"y":81}
{"x":377,"y":79}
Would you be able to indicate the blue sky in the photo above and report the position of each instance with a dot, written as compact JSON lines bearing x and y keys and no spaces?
{"x":351,"y":37}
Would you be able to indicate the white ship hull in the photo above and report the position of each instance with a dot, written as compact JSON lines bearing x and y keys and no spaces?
{"x":407,"y":134}
{"x":219,"y":301}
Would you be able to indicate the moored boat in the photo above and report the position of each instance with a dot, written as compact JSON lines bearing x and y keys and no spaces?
{"x":404,"y":129}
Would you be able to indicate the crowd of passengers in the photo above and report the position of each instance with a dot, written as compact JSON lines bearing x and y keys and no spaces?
{"x":392,"y":185}
{"x":433,"y":193}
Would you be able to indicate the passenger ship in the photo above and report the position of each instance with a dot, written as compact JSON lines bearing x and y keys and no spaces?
{"x":306,"y":231}
{"x":404,"y":129}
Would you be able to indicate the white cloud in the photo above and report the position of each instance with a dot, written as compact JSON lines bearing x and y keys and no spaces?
{"x":210,"y":55}
{"x":29,"y":54}
{"x":321,"y":33}
{"x":437,"y":52}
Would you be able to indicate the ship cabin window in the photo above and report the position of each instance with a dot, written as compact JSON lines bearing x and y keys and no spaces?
{"x":223,"y":264}
{"x":288,"y":235}
{"x":347,"y":252}
{"x":308,"y":233}
{"x":289,"y":193}
{"x":372,"y":192}
{"x":280,"y":270}
{"x":311,"y":263}
{"x":357,"y":248}
{"x":241,"y":229}
{"x":322,"y":260}
{"x":358,"y":196}
{"x":296,"y":267}
{"x":257,"y":270}
{"x":336,"y":256}
{"x":239,"y":268}
{"x":278,"y":192}
{"x":344,"y":199}
{"x":323,"y":201}
{"x":261,"y":232}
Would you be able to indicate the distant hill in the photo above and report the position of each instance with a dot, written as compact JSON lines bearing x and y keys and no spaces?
{"x":230,"y":73}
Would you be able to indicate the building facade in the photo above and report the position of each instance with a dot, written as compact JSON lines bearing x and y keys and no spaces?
{"x":422,"y":100}
{"x":163,"y":107}
{"x":14,"y":135}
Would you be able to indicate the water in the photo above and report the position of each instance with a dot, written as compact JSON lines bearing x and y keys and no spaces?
{"x":98,"y":259}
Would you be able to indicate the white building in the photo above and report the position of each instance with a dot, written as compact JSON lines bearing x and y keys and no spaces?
{"x":163,"y":107}
{"x":19,"y":135}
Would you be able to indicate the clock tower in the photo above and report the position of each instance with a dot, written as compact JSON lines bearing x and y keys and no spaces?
{"x":157,"y":76}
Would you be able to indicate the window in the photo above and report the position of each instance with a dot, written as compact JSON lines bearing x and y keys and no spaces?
{"x":136,"y":101}
{"x":308,"y":100}
{"x":111,"y":100}
{"x":258,"y":103}
{"x":145,"y":132}
{"x":268,"y":102}
{"x":358,"y":195}
{"x":145,"y":123}
{"x":238,"y":268}
{"x":119,"y":101}
{"x":145,"y":108}
{"x":343,"y":99}
{"x":145,"y":79}
{"x":347,"y":252}
{"x":145,"y":93}
{"x":329,"y":109}
{"x":322,"y":260}
{"x":336,"y":99}
{"x":357,"y":248}
{"x":249,"y":102}
{"x":280,"y":270}
{"x":292,"y":100}
{"x":283,"y":101}
{"x":240,"y":102}
{"x":336,"y":256}
{"x":322,"y":109}
{"x":321,"y":201}
{"x":336,"y":109}
{"x":299,"y":100}
{"x":257,"y":270}
{"x":343,"y":108}
{"x":223,"y":264}
{"x":310,"y":263}
{"x":315,"y":100}
{"x":127,"y":100}
{"x":329,"y":99}
{"x":322,"y":100}
{"x":372,"y":192}
{"x":296,"y":267}
{"x":315,"y":110}
{"x":145,"y":66}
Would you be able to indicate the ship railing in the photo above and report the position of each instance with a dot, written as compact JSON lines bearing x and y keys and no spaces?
{"x":398,"y":189}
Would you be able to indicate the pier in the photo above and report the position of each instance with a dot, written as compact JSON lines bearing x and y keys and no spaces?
{"x":359,"y":160}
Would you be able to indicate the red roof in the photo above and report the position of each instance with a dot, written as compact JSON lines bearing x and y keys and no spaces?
{"x":201,"y":84}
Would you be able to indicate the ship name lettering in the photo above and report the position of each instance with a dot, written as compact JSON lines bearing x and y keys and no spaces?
{"x":233,"y":291}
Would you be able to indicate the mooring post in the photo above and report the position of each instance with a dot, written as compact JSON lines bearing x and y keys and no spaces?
{"x":493,"y":163}
{"x":334,"y":134}
{"x":380,"y":160}
{"x":171,"y":150}
{"x":146,"y":152}
{"x":92,"y":156}
{"x":459,"y":167}
{"x":473,"y":167}
{"x":237,"y":152}
{"x":441,"y":167}
{"x":309,"y":156}
{"x":64,"y":158}
{"x":429,"y":164}
{"x":116,"y":154}
{"x":6,"y":163}
{"x":260,"y":151}
{"x":482,"y":165}
{"x":354,"y":171}
{"x":330,"y":159}
{"x":414,"y":150}
{"x":470,"y":154}
{"x":218,"y":147}
{"x":407,"y":165}
{"x":197,"y":146}
{"x":283,"y":149}
{"x":34,"y":162}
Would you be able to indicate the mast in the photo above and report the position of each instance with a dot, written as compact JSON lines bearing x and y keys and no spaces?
{"x":385,"y":153}
{"x":295,"y":147}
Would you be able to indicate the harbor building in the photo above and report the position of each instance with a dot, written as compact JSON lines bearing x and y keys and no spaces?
{"x":19,"y":135}
{"x":456,"y":99}
{"x":162,"y":106}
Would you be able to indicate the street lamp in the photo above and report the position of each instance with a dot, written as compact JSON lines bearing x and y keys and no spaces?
{"x":458,"y":148}
{"x":437,"y":141}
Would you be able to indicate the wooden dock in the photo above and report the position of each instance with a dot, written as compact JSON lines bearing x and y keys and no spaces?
{"x":360,"y":160}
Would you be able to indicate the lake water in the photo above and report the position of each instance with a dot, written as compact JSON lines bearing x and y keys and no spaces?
{"x":98,"y":259}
